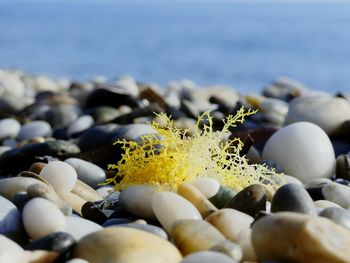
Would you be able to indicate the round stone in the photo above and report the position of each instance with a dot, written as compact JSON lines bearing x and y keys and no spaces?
{"x":9,"y":128}
{"x":337,"y":193}
{"x":10,"y":219}
{"x":292,"y":197}
{"x":60,"y":175}
{"x":302,"y":150}
{"x":34,"y":129}
{"x":41,"y":217}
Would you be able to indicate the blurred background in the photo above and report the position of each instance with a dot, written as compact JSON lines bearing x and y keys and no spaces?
{"x":246,"y":44}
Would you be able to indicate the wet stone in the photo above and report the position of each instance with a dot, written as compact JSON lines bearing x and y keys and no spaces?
{"x":250,"y":200}
{"x":292,"y":197}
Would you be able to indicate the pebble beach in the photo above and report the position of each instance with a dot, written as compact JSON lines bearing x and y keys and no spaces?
{"x":121,"y":171}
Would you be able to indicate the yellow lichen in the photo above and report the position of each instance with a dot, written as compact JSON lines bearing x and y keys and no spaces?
{"x":170,"y":157}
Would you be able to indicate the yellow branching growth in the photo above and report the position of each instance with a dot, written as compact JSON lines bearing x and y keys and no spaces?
{"x":171,"y":157}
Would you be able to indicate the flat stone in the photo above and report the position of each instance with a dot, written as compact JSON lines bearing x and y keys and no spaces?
{"x":208,"y":186}
{"x":294,"y":198}
{"x":126,"y":245}
{"x":294,"y":237}
{"x":80,"y":125}
{"x":10,"y":186}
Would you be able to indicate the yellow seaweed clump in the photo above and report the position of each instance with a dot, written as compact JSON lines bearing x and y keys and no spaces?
{"x":171,"y":156}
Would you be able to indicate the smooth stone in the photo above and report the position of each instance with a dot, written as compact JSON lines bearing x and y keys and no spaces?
{"x":34,"y":129}
{"x":75,"y":201}
{"x":105,"y":191}
{"x":41,"y":217}
{"x":133,"y":131}
{"x":79,"y":227}
{"x":81,"y":124}
{"x":192,"y":194}
{"x":10,"y":220}
{"x":342,"y":169}
{"x":58,"y":242}
{"x":208,"y":186}
{"x":169,"y":207}
{"x":338,"y":215}
{"x":325,"y":111}
{"x":60,"y":175}
{"x":250,"y":200}
{"x":10,"y":186}
{"x":145,"y":227}
{"x":137,"y":200}
{"x":230,"y":249}
{"x":9,"y":128}
{"x":126,"y":245}
{"x":207,"y":257}
{"x":294,"y":198}
{"x":279,"y":236}
{"x":47,"y":192}
{"x":89,"y":173}
{"x":233,"y":224}
{"x":195,"y":235}
{"x":20,"y":199}
{"x":86,"y":192}
{"x":222,"y":197}
{"x":337,"y":193}
{"x":248,"y":251}
{"x":38,"y":256}
{"x":307,"y":145}
{"x":60,"y":116}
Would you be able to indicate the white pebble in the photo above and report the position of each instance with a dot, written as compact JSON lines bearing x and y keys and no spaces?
{"x":41,"y":217}
{"x":60,"y":175}
{"x":9,"y":128}
{"x":207,"y":257}
{"x":79,"y":227}
{"x":302,"y":150}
